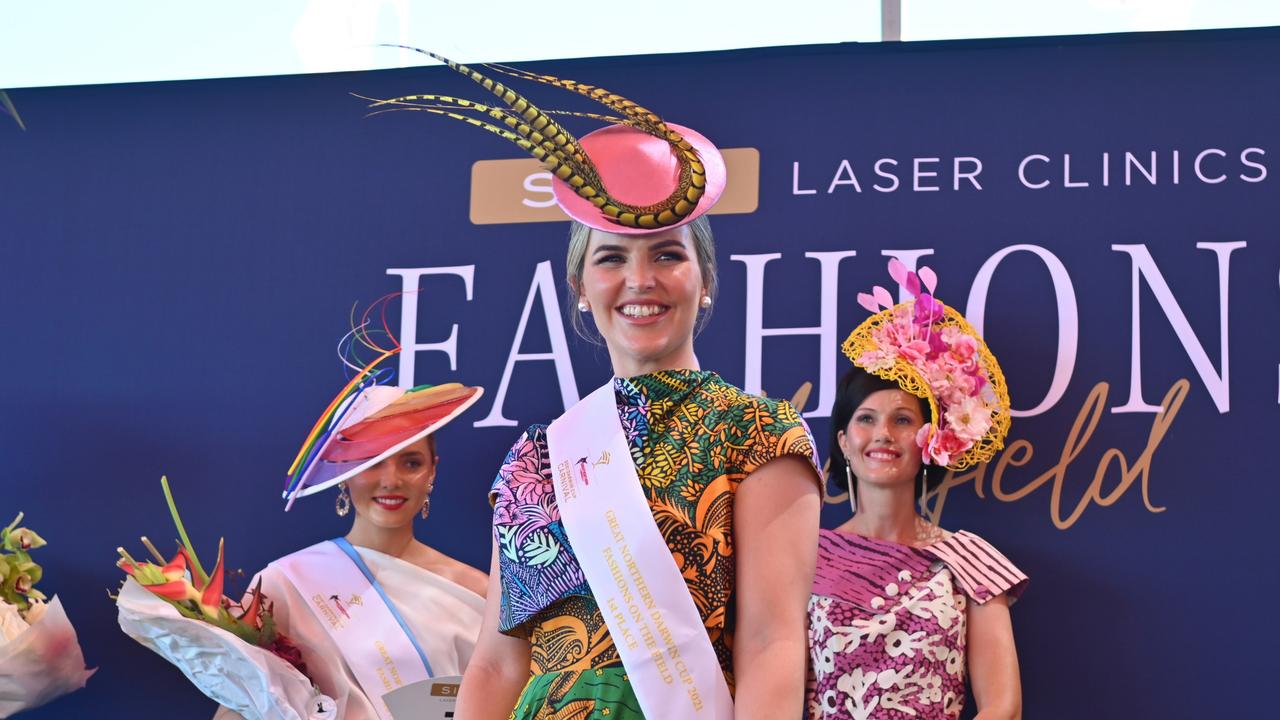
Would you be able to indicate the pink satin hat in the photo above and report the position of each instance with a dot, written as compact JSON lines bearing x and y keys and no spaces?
{"x":640,"y":169}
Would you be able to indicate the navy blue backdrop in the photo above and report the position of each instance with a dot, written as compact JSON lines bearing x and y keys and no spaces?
{"x":179,"y":259}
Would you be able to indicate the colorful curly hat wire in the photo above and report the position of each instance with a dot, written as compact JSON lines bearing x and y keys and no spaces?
{"x":533,"y":130}
{"x":932,"y":352}
{"x":364,"y":337}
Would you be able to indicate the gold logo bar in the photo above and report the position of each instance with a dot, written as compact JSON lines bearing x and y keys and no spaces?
{"x":519,"y":191}
{"x":445,"y":689}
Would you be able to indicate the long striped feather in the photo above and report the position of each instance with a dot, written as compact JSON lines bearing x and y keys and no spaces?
{"x":448,"y":104}
{"x":534,"y":131}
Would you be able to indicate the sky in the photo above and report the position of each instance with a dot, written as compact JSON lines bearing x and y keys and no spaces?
{"x":78,"y":42}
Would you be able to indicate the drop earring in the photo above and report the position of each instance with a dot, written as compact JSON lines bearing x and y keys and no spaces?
{"x":583,"y":306}
{"x":343,"y":504}
{"x":853,"y":488}
{"x":426,"y":504}
{"x":923,"y":490}
{"x":706,"y":302}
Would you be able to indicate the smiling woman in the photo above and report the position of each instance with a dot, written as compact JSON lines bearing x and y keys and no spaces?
{"x":377,"y":444}
{"x":674,"y":540}
{"x":924,"y":393}
{"x":704,"y":249}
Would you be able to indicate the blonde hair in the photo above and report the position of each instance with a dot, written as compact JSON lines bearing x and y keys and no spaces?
{"x":704,"y":247}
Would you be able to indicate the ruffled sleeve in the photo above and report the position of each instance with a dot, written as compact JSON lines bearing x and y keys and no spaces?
{"x":522,"y":461}
{"x":536,"y":562}
{"x":980,"y":570}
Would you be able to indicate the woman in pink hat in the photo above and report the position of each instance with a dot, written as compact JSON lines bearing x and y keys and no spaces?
{"x":653,"y":546}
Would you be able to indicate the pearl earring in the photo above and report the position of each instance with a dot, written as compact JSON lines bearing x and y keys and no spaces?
{"x":706,"y":302}
{"x":583,"y":306}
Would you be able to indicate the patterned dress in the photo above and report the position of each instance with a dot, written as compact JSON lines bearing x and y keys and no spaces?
{"x":693,"y":439}
{"x":887,"y":624}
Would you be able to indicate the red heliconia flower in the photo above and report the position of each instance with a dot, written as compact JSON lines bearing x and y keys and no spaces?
{"x":212,"y":592}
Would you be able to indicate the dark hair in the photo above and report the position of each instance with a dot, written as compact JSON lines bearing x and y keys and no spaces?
{"x":853,"y":388}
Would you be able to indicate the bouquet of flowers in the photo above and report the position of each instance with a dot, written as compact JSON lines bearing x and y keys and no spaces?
{"x":40,"y":658}
{"x":231,"y":651}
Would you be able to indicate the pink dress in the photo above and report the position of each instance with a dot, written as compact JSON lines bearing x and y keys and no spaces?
{"x":887,"y":624}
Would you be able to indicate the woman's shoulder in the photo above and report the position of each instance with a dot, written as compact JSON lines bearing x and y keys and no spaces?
{"x":764,"y":428}
{"x":737,"y":403}
{"x":451,"y":569}
{"x":982,"y":571}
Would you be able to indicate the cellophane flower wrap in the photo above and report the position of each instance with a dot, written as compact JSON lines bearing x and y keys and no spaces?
{"x":232,"y":652}
{"x":932,"y":352}
{"x":40,"y":657}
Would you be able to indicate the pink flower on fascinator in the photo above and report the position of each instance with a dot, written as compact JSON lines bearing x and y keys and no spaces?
{"x":947,"y":381}
{"x":876,"y":360}
{"x":943,"y":446}
{"x":960,"y":345}
{"x":969,"y":419}
{"x":914,"y":352}
{"x":927,"y":310}
{"x":900,"y":331}
{"x":922,"y":441}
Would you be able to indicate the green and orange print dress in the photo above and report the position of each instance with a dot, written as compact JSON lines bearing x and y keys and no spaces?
{"x":693,"y":439}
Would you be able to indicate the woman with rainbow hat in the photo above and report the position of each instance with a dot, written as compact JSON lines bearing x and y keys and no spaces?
{"x":380,"y":618}
{"x":653,"y":546}
{"x":903,"y":611}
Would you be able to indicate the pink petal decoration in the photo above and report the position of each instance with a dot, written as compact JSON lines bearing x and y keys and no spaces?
{"x":868,"y":302}
{"x":882,"y":296}
{"x":912,"y":284}
{"x":897,"y":271}
{"x":929,"y":278}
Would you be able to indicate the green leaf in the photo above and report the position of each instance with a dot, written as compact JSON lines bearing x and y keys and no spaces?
{"x":541,"y":549}
{"x":507,"y":541}
{"x":182,"y":532}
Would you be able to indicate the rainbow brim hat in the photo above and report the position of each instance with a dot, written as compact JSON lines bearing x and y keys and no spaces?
{"x":376,"y":423}
{"x":638,"y":175}
{"x":368,"y":420}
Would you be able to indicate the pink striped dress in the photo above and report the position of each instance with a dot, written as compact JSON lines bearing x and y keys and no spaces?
{"x":887,"y":624}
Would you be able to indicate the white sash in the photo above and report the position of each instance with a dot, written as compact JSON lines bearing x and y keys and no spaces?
{"x":377,"y":645}
{"x":645,"y":601}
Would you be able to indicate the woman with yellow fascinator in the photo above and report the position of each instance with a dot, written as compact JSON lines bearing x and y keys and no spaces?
{"x":902,"y":610}
{"x":653,"y":546}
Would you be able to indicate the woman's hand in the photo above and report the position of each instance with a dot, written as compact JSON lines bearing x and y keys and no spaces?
{"x":993,"y":661}
{"x":775,"y":533}
{"x":499,"y":667}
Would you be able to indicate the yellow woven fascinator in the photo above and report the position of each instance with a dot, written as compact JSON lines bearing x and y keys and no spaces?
{"x":932,"y":352}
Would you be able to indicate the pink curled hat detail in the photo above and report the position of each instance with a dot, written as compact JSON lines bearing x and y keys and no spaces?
{"x":638,"y":175}
{"x":932,"y":352}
